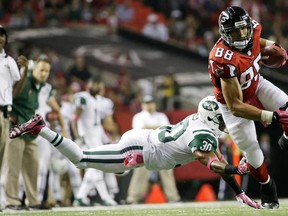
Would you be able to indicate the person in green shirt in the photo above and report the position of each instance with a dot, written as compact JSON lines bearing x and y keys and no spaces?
{"x":21,"y":154}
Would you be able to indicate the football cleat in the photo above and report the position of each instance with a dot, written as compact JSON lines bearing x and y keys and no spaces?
{"x":31,"y":127}
{"x":269,"y":198}
{"x":133,"y":160}
{"x":245,"y":200}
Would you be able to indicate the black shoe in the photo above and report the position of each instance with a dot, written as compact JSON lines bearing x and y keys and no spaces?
{"x":39,"y":207}
{"x":283,"y":143}
{"x":16,"y":207}
{"x":269,"y":198}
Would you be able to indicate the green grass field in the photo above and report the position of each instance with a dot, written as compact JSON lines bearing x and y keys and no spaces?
{"x":229,"y":208}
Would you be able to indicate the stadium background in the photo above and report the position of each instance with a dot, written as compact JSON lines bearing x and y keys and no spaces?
{"x":58,"y":29}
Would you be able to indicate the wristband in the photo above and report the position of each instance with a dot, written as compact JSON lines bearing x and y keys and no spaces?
{"x":211,"y":160}
{"x":229,"y":169}
{"x":266,"y":116}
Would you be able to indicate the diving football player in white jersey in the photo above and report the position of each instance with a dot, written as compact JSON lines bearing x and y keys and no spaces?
{"x":194,"y":138}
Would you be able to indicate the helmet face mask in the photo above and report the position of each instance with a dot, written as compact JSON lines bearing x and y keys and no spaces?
{"x":209,"y":113}
{"x":235,"y":27}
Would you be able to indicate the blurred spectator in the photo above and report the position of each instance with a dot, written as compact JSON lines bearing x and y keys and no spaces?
{"x":177,"y":26}
{"x":79,"y":72}
{"x":155,"y":29}
{"x":123,"y":87}
{"x":125,"y":12}
{"x":74,"y":11}
{"x":86,"y":12}
{"x":54,"y":12}
{"x":170,"y":91}
{"x":112,"y":19}
{"x":2,"y":11}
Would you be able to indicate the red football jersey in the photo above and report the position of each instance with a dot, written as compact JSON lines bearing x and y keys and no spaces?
{"x":226,"y":63}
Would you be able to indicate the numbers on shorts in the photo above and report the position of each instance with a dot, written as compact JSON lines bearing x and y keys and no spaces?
{"x":172,"y":133}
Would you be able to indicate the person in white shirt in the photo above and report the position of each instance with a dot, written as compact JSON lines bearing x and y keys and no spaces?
{"x":155,"y":29}
{"x":9,"y":74}
{"x":150,"y":118}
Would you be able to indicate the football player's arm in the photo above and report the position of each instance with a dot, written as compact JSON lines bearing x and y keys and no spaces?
{"x":56,"y":108}
{"x":265,"y":42}
{"x":234,"y":99}
{"x":76,"y":115}
{"x":215,"y":162}
{"x":210,"y":160}
{"x":108,"y":123}
{"x":18,"y":87}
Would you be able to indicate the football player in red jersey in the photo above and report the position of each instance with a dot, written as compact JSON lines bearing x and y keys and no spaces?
{"x":244,"y":95}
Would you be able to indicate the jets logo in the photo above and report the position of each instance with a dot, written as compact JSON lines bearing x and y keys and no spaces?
{"x":210,"y":105}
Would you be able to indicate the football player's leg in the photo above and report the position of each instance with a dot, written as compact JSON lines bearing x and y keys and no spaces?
{"x":244,"y":135}
{"x":272,"y":99}
{"x":112,"y":183}
{"x":102,"y":188}
{"x":75,"y":178}
{"x":169,"y":185}
{"x":107,"y":158}
{"x":66,"y":146}
{"x":116,"y":158}
{"x":138,"y":186}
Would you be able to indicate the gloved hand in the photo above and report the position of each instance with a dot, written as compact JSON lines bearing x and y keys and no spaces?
{"x":242,"y":167}
{"x":284,"y":52}
{"x":281,"y":115}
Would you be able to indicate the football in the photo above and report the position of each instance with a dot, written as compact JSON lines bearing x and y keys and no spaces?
{"x":272,"y":56}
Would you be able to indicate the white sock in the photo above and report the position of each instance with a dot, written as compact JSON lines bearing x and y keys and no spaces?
{"x":67,"y":147}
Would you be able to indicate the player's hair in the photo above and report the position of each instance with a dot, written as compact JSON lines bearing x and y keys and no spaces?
{"x":95,"y":79}
{"x":43,"y":58}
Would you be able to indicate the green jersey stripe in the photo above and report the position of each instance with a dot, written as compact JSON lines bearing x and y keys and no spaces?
{"x":56,"y":137}
{"x":101,"y":152}
{"x":58,"y":143}
{"x":129,"y":148}
{"x":107,"y":161}
{"x":204,"y":131}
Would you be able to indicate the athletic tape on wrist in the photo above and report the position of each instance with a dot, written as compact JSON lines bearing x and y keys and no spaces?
{"x":211,"y":160}
{"x":266,"y":116}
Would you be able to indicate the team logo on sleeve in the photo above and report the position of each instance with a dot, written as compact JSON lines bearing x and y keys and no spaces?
{"x":219,"y":69}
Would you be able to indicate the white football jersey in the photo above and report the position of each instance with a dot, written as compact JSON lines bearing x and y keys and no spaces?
{"x":94,"y":109}
{"x":171,"y":146}
{"x":43,"y":97}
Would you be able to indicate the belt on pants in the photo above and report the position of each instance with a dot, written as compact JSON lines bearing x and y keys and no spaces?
{"x":6,"y":108}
